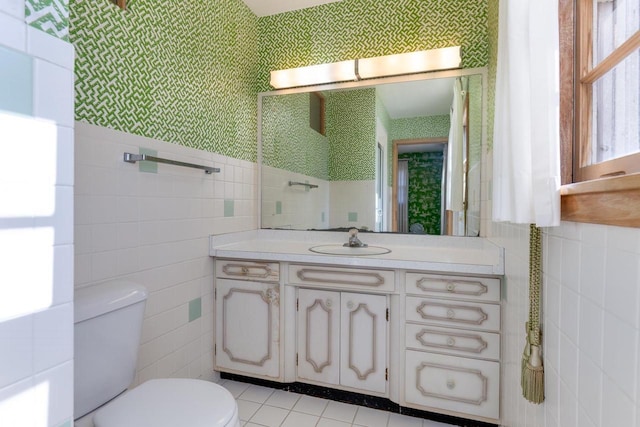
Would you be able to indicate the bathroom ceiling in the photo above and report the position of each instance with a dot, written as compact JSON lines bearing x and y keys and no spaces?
{"x":273,"y":7}
{"x":418,"y":98}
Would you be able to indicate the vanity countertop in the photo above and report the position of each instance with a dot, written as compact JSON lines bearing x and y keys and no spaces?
{"x":466,"y":255}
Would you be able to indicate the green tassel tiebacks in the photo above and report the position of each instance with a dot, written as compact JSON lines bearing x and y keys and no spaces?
{"x":532,"y":379}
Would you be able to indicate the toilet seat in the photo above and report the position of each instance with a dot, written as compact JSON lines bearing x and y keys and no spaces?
{"x":171,"y":402}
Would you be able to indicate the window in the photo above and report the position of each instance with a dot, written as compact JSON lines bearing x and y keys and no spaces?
{"x":600,"y":110}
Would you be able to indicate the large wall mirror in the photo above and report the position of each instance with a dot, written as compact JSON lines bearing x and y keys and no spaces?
{"x":400,"y":154}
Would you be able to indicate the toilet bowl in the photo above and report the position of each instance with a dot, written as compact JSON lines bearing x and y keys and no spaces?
{"x":108,"y":323}
{"x":169,"y":403}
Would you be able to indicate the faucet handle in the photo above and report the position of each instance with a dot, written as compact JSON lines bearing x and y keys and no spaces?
{"x":353,"y":232}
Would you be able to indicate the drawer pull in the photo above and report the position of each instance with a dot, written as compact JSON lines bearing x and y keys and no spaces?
{"x":458,"y":287}
{"x":247,"y":271}
{"x":469,"y":343}
{"x":478,"y":315}
{"x":360,"y":277}
{"x":423,"y":386}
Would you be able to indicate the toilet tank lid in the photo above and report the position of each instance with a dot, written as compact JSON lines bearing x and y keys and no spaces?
{"x":95,"y":300}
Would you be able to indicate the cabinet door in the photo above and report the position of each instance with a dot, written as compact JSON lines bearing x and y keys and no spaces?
{"x":247,"y":327}
{"x":363,"y":361}
{"x":319,"y":336}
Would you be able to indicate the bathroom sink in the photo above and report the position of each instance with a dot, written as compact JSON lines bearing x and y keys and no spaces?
{"x":349,"y":250}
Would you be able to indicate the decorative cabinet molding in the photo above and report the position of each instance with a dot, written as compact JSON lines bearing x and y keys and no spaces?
{"x":485,"y":345}
{"x":248,"y":270}
{"x":440,"y":286}
{"x":342,"y":339}
{"x":456,"y":314}
{"x":342,"y":278}
{"x":453,"y":383}
{"x":247,"y":327}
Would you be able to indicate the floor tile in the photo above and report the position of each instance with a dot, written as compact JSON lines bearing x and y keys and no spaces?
{"x":326,"y":422}
{"x":235,"y":388}
{"x":398,"y":420}
{"x":298,"y":419}
{"x":282,"y":399}
{"x":371,"y":417}
{"x":246,"y":409}
{"x":340,"y":411}
{"x":269,"y":416}
{"x":256,"y":393}
{"x":310,"y":405}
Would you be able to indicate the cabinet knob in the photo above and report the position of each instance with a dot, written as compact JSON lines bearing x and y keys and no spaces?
{"x":451,"y":384}
{"x":350,"y":305}
{"x":451,"y":313}
{"x":245,"y":270}
{"x":329,"y":303}
{"x":451,"y":342}
{"x":451,"y":287}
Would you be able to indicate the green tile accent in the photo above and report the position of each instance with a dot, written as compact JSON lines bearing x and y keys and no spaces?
{"x":228,"y":207}
{"x":322,"y":216}
{"x":353,"y":216}
{"x":16,"y":82}
{"x":65,"y":424}
{"x":149,"y":167}
{"x":195,"y":309}
{"x":50,"y":16}
{"x":278,"y":207}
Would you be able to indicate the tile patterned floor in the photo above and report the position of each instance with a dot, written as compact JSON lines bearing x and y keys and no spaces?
{"x":266,"y":407}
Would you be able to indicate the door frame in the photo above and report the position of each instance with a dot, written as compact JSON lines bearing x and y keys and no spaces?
{"x":394,"y":171}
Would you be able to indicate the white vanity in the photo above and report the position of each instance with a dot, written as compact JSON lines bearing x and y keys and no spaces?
{"x":419,"y":325}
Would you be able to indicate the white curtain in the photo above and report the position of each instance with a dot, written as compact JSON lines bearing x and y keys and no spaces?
{"x":526,"y":148}
{"x":455,"y":155}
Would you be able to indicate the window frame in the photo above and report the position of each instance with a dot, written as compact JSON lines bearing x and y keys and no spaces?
{"x":588,"y":194}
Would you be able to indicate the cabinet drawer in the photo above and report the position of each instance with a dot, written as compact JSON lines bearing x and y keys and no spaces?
{"x":248,"y":270}
{"x":343,"y":278}
{"x":453,"y":313}
{"x":467,"y":386}
{"x":469,"y":288}
{"x":485,"y":345}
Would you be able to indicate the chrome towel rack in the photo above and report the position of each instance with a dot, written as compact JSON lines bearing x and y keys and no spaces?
{"x":132,"y":158}
{"x":304,"y":184}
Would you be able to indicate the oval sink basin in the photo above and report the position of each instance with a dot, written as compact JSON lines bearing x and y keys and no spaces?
{"x":349,"y":250}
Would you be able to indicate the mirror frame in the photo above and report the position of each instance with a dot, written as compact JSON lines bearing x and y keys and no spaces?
{"x":362,"y":84}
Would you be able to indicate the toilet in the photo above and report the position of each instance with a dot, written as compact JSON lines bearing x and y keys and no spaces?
{"x":108,"y":324}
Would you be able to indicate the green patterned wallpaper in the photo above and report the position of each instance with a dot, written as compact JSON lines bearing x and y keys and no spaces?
{"x":351,"y":130}
{"x":475,"y":119}
{"x":50,"y":16}
{"x":420,"y":127}
{"x":287,"y":140}
{"x":364,"y":28}
{"x":174,"y":71}
{"x":425,"y":188}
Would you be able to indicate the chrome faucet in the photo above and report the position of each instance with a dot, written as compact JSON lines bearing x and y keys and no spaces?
{"x":354,"y":242}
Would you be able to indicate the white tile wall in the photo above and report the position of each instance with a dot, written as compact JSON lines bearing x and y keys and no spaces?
{"x":353,"y":196}
{"x":36,"y":235}
{"x":301,"y":209}
{"x":590,"y":325}
{"x":153,"y":228}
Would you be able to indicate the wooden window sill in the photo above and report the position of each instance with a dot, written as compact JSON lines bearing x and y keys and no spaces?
{"x":612,"y":201}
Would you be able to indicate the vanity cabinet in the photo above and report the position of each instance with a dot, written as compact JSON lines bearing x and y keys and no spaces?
{"x":452,"y":344}
{"x":342,"y":339}
{"x":247,"y":318}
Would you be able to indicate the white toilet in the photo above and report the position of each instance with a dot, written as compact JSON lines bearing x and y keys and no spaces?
{"x":108,"y":323}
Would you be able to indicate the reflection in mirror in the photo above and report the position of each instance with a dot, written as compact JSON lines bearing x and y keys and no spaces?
{"x":431,"y":126}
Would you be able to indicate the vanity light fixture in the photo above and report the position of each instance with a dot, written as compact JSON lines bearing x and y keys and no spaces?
{"x":409,"y":63}
{"x":314,"y":75}
{"x":381,"y":66}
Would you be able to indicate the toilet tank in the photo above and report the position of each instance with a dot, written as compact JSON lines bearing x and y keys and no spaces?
{"x":108,"y":324}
